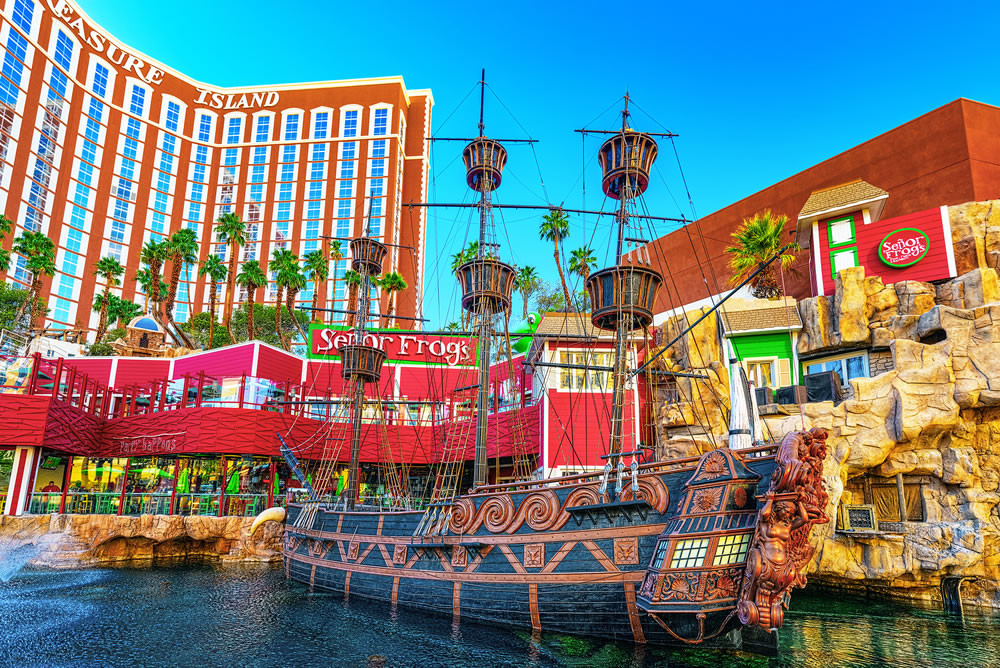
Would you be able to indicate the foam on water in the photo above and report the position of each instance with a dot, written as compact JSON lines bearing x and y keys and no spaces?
{"x":14,"y":556}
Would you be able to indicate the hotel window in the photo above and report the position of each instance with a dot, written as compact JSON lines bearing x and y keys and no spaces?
{"x":584,"y":378}
{"x":201,"y":154}
{"x":138,"y":101}
{"x":349,"y":150}
{"x":231,"y":157}
{"x":321,"y":125}
{"x":13,"y":68}
{"x":346,"y":169}
{"x":287,"y":172}
{"x":173,"y":115}
{"x":23,"y":11}
{"x":314,"y":209}
{"x":381,"y":122}
{"x":291,"y":127}
{"x":312,"y":229}
{"x":350,"y":123}
{"x":847,"y":366}
{"x":133,"y":128}
{"x":234,"y":130}
{"x":263,"y":132}
{"x":100,"y":85}
{"x":689,"y":553}
{"x":259,"y":155}
{"x":204,"y":128}
{"x":289,"y":154}
{"x":64,"y":51}
{"x":377,"y":168}
{"x":117,"y":232}
{"x":317,"y":152}
{"x":315,"y":190}
{"x":345,"y":209}
{"x":731,"y":549}
{"x":345,"y":189}
{"x":378,"y":148}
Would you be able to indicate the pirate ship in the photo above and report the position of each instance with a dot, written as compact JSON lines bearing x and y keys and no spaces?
{"x":701,"y":550}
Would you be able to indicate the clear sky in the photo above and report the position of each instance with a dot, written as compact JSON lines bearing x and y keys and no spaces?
{"x":756,"y":91}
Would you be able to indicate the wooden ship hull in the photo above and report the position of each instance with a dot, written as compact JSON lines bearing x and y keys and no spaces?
{"x":551,"y":556}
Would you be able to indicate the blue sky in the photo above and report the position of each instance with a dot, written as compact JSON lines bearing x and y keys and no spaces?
{"x":756,"y":91}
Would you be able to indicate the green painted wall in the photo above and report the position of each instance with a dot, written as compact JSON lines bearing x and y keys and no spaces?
{"x":770,"y":344}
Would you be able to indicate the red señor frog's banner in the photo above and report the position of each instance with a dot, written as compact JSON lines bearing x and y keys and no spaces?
{"x":401,"y":346}
{"x":904,"y":247}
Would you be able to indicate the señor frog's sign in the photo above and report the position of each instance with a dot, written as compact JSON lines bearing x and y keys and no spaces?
{"x":401,"y":346}
{"x":904,"y":247}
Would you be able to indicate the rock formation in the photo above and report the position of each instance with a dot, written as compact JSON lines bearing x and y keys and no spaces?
{"x":71,"y":541}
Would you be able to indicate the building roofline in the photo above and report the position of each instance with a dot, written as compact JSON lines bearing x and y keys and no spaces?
{"x":342,"y":83}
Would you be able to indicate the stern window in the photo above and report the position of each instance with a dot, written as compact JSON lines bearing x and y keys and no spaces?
{"x":689,"y":553}
{"x":732,"y":549}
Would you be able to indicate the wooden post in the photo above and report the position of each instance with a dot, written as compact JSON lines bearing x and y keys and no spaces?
{"x":243,"y":387}
{"x":56,"y":379}
{"x":201,"y":387}
{"x":121,"y":497}
{"x":270,"y":485}
{"x":222,"y":483}
{"x":33,"y":381}
{"x":135,"y":393}
{"x":902,"y":497}
{"x":173,"y":488}
{"x":163,"y":394}
{"x":69,"y":469}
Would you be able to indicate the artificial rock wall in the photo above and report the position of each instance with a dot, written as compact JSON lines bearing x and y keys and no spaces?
{"x":73,"y":541}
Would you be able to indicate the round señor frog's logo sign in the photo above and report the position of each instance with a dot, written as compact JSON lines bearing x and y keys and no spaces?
{"x":904,"y":247}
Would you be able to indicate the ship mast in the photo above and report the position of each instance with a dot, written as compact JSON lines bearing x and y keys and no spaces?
{"x":360,"y":363}
{"x":622,"y":296}
{"x":486,"y":282}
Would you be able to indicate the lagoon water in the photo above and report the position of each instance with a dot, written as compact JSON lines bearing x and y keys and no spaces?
{"x":250,"y":616}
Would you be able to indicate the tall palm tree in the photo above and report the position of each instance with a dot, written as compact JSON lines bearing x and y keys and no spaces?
{"x":216,"y":272}
{"x":295,"y":280}
{"x":111,"y":270}
{"x":182,"y":247}
{"x":153,"y":254}
{"x":527,"y":283}
{"x":451,"y":327}
{"x":336,"y":255}
{"x":40,"y":253}
{"x":5,"y":227}
{"x":123,"y":312}
{"x":392,"y":283}
{"x":555,"y":227}
{"x":251,"y":277}
{"x":756,"y":241}
{"x":317,"y":267}
{"x":581,"y":261}
{"x":353,"y":280}
{"x":280,"y":259}
{"x":231,"y":230}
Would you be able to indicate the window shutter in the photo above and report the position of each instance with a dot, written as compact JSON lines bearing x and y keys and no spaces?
{"x":784,"y":373}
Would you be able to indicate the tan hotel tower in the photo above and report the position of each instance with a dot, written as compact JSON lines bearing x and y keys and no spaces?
{"x":103,"y":148}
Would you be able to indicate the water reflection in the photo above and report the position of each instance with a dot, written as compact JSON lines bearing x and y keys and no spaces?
{"x":252,"y":617}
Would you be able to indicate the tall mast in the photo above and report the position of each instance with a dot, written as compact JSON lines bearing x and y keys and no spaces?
{"x":361,"y":364}
{"x":622,"y":296}
{"x":486,"y":282}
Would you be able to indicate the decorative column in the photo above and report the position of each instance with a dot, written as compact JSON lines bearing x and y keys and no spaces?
{"x":22,"y":475}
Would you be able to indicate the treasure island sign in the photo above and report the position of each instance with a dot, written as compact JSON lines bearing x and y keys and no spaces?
{"x":904,"y":247}
{"x":401,"y":346}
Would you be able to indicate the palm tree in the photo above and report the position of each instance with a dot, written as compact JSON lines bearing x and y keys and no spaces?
{"x":216,"y":272}
{"x":392,"y":283}
{"x":353,"y":280}
{"x":294,"y":280}
{"x":230,"y":229}
{"x":123,"y":311}
{"x":527,"y":282}
{"x":153,"y":254}
{"x":580,"y":262}
{"x":451,"y":327}
{"x":280,"y":259}
{"x":251,"y":277}
{"x":317,"y":267}
{"x":111,"y":270}
{"x":182,"y":247}
{"x":756,"y":241}
{"x":554,"y":227}
{"x":5,"y":228}
{"x":40,"y":253}
{"x":336,"y":255}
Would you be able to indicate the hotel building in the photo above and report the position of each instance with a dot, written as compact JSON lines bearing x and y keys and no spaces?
{"x":103,"y":149}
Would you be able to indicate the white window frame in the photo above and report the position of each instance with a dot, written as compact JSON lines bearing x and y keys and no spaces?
{"x":775,"y":373}
{"x":842,"y":358}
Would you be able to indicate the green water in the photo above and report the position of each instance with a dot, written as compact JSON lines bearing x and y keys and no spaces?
{"x":248,"y":617}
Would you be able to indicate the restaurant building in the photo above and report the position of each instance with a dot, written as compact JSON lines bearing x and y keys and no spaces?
{"x":198,"y":434}
{"x":103,"y":149}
